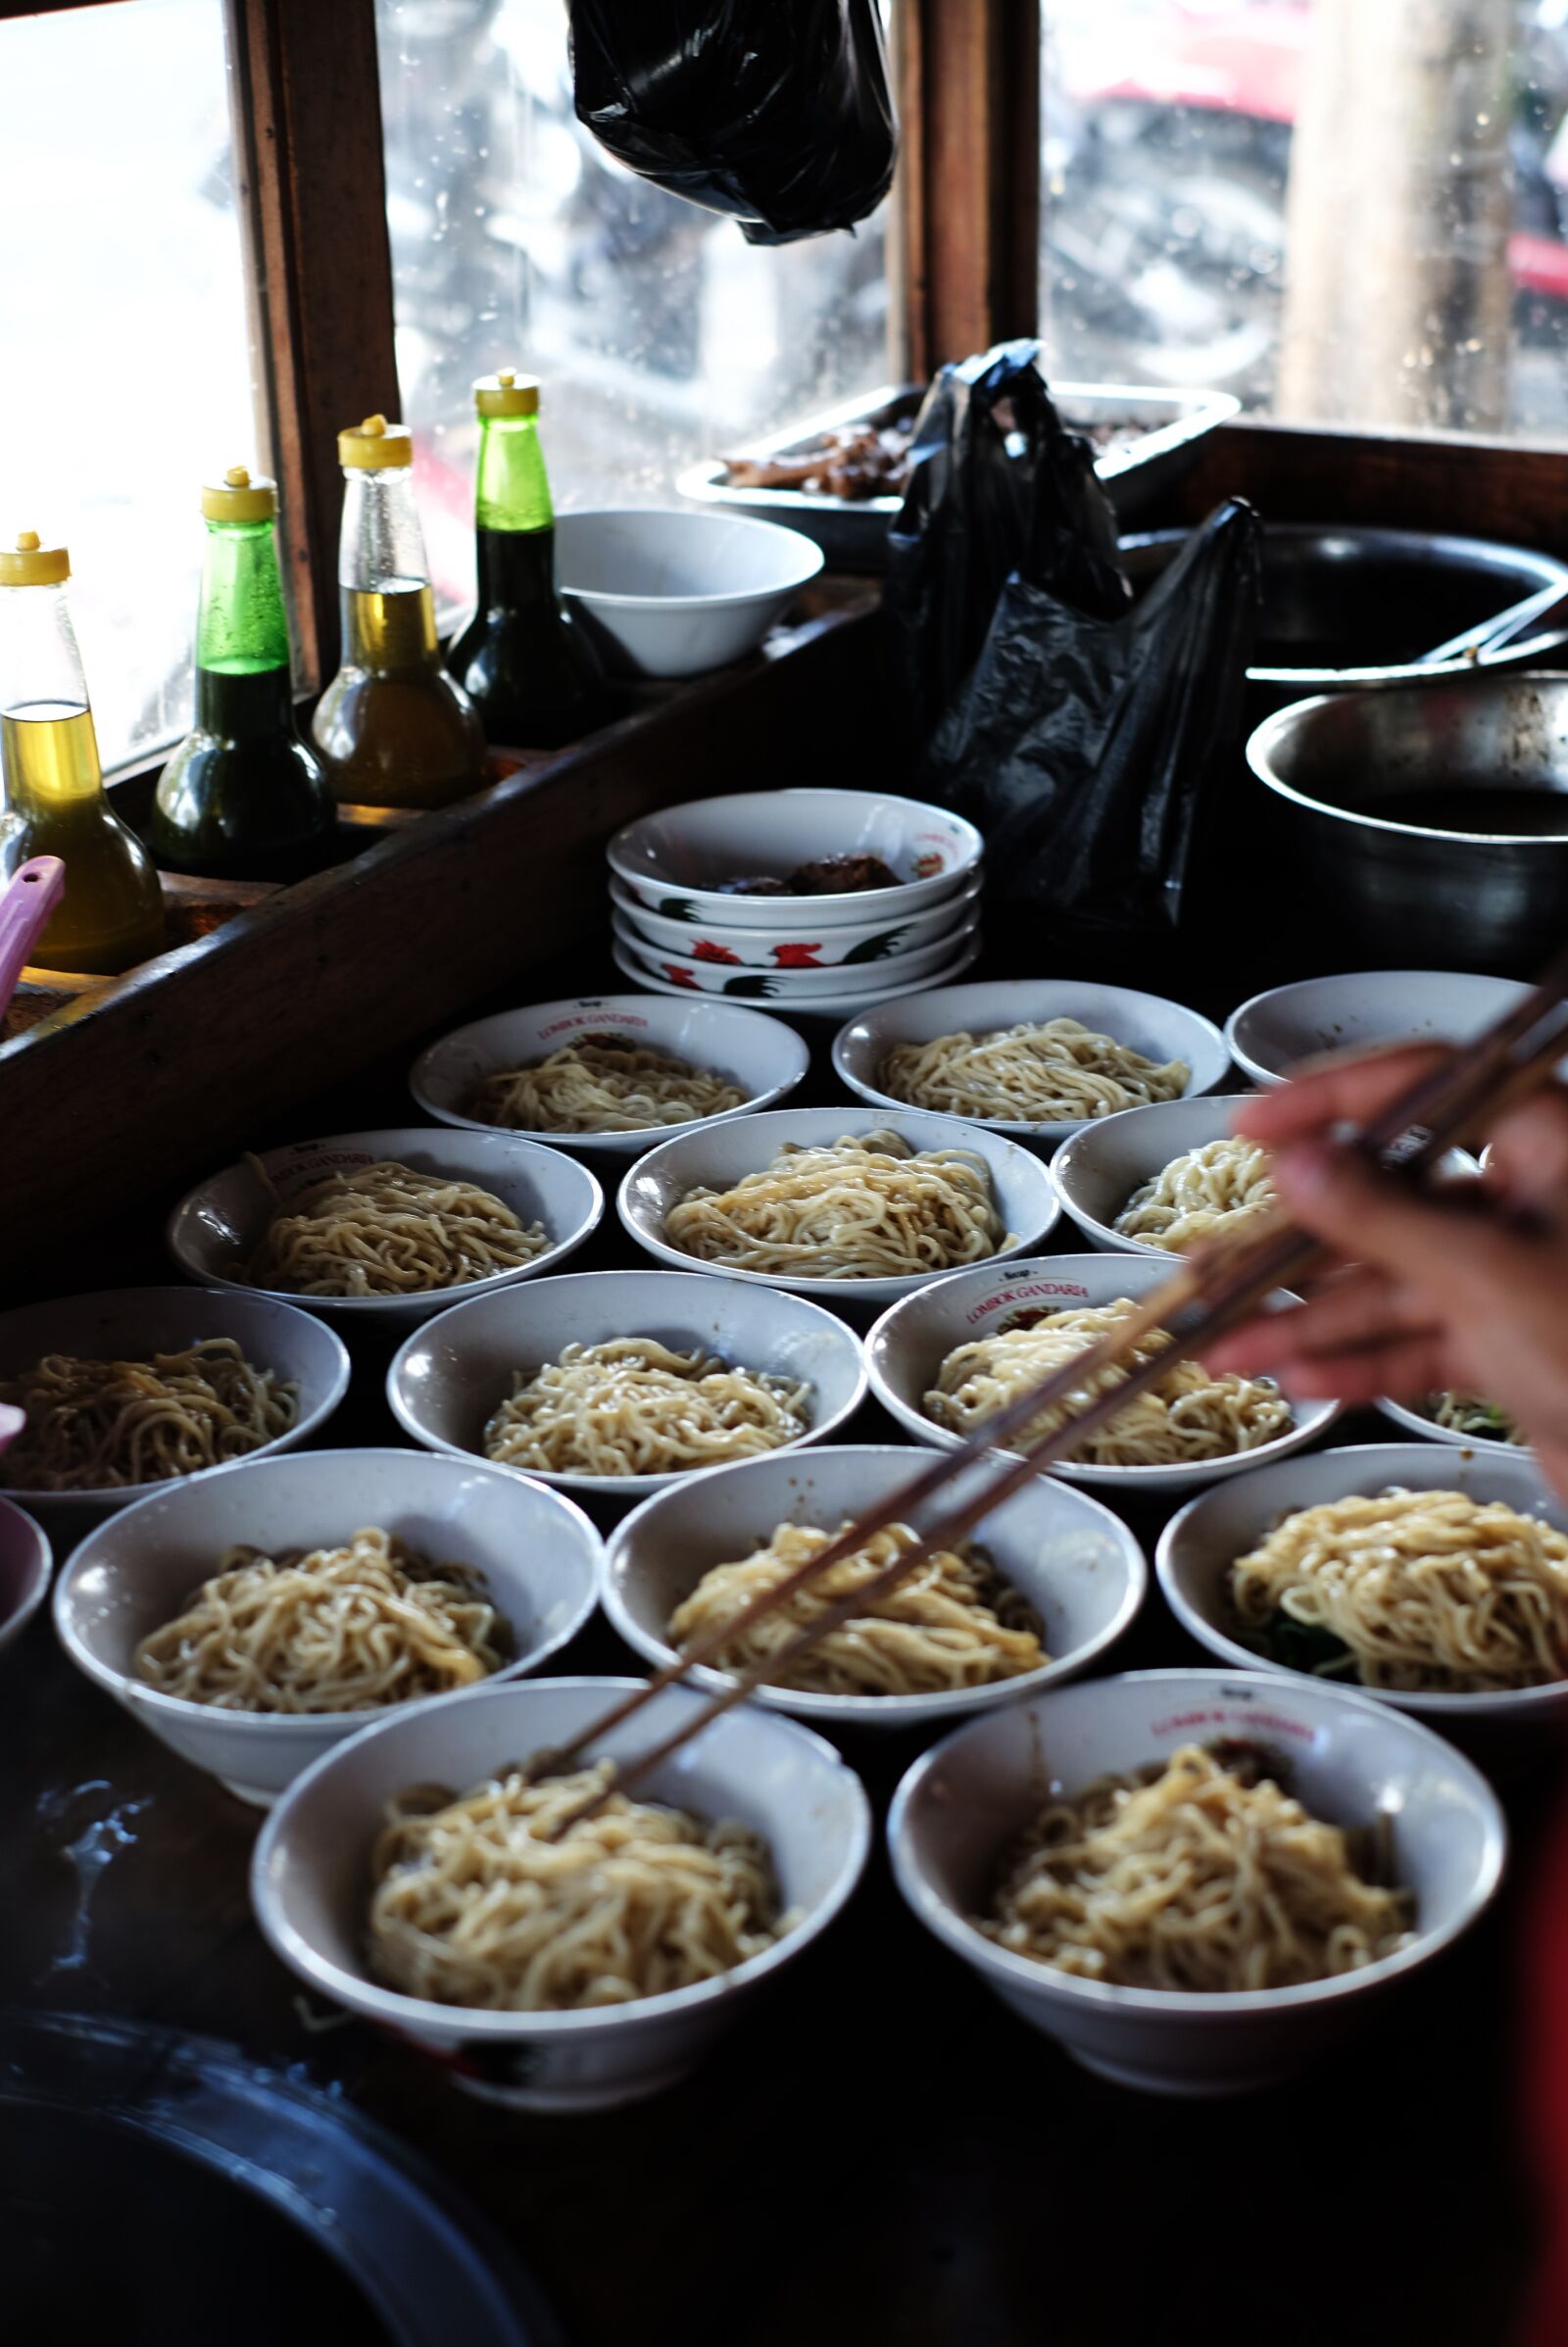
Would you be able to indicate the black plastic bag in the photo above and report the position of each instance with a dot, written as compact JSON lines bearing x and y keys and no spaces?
{"x":777,"y":112}
{"x":1085,"y":748}
{"x":998,"y":484}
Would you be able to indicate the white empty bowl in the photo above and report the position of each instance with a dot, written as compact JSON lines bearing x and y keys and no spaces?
{"x":913,"y":1338}
{"x":311,"y":1874}
{"x":23,"y":1571}
{"x":799,"y":944}
{"x":963,"y":1805}
{"x":1078,"y":1565}
{"x":786,"y":987}
{"x":1366,"y":1010}
{"x":1200,"y":1546}
{"x":217,"y":1226}
{"x":718,"y":1155}
{"x":672,"y":862}
{"x":668,"y":592}
{"x":453,"y":1373}
{"x":131,"y":1323}
{"x":537,"y":1553}
{"x":759,"y":1055}
{"x":1162,"y":1031}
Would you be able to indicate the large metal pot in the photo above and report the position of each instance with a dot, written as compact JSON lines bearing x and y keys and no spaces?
{"x":1349,"y":609}
{"x":1411,"y":888}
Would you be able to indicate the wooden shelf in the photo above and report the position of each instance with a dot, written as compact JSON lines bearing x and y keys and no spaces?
{"x":119,"y":1088}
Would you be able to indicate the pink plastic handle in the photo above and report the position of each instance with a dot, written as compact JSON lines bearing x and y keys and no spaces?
{"x":33,"y":890}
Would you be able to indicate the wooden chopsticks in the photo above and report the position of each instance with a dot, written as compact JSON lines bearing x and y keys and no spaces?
{"x":1213,"y":1287}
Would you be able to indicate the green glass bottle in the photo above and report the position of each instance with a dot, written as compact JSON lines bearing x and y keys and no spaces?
{"x":523,"y":659}
{"x":243,"y":797}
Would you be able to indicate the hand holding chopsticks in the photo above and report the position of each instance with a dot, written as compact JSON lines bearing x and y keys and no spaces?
{"x":1221,"y":1282}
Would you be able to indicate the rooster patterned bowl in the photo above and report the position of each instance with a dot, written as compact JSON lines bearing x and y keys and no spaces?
{"x":804,"y":945}
{"x":800,"y":982}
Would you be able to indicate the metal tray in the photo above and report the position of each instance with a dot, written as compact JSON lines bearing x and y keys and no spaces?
{"x":853,"y":535}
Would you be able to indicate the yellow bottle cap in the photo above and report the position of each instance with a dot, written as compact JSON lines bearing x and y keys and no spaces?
{"x":240,"y":496}
{"x":506,"y":393}
{"x":32,"y":564}
{"x":375,"y":443}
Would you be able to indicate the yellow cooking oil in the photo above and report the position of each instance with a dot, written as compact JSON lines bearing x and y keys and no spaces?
{"x":393,"y":727}
{"x":110,"y":915}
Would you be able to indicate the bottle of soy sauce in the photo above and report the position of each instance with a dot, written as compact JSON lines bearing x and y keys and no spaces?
{"x":243,"y":797}
{"x":523,"y":659}
{"x":392,"y":727}
{"x":110,"y":915}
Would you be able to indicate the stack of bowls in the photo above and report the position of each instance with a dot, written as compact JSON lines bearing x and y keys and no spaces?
{"x":677,"y":930}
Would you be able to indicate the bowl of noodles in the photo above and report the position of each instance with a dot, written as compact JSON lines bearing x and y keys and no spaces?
{"x":1157,"y":1179}
{"x":847,"y":1205}
{"x":251,"y":1619}
{"x":1434,"y":1579}
{"x":134,"y":1387}
{"x":611,"y":1384}
{"x":602,"y":1969}
{"x":1046,"y":1584}
{"x":1468,"y":1421}
{"x":386,"y":1229}
{"x":609,"y":1073}
{"x":1196,"y":1880}
{"x":1038,"y":1058}
{"x":960,"y":1350}
{"x":24,"y":1561}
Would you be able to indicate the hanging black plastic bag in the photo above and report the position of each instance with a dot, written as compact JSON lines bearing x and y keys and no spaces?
{"x":998,"y":483}
{"x":1084,"y":747}
{"x":777,"y":112}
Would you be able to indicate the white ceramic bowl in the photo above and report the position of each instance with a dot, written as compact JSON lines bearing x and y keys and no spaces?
{"x":309,"y":1873}
{"x":217,"y":1226}
{"x":1200,"y":1545}
{"x":1098,"y":1170}
{"x":1078,"y":1565}
{"x":1365,"y":1012}
{"x":631,"y":961}
{"x":1415,"y":1422}
{"x":451,"y":1374}
{"x":537,"y":1552}
{"x":23,"y":1571}
{"x":913,"y":1338}
{"x":721,"y":1154}
{"x":674,"y":861}
{"x":668,"y":592}
{"x":791,"y":986}
{"x":961,"y":1805}
{"x":1147,"y":1023}
{"x":802,"y":944}
{"x":129,"y":1323}
{"x":761,"y":1057}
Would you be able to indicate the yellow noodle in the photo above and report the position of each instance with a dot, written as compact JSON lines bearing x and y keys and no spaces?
{"x":99,"y":1426}
{"x":1193,"y":1876}
{"x":474,"y":1904}
{"x":953,"y":1624}
{"x":1033,"y":1073}
{"x":384,"y":1230}
{"x":867,"y":1209}
{"x":633,"y":1406}
{"x":345,"y":1629}
{"x":1214,"y":1188}
{"x":1467,"y":1414}
{"x":1186,"y":1417}
{"x":601,"y":1084}
{"x":1431,"y":1592}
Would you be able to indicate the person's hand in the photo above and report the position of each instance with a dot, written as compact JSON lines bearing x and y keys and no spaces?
{"x":1468,"y":1294}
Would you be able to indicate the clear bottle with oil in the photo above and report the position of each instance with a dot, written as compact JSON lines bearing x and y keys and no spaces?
{"x":110,"y":915}
{"x":393,"y":727}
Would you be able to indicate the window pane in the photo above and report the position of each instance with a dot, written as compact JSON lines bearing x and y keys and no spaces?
{"x":658,"y":333}
{"x":123,"y":349}
{"x":1344,"y":213}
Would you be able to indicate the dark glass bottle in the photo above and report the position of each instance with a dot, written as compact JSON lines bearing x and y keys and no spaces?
{"x":243,"y":797}
{"x":392,"y":726}
{"x":523,"y":659}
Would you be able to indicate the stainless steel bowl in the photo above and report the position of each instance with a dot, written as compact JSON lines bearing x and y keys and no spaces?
{"x":1409,"y":887}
